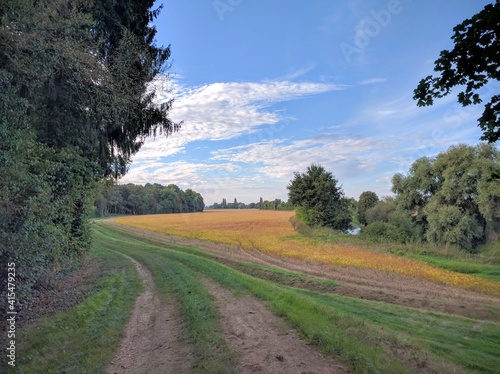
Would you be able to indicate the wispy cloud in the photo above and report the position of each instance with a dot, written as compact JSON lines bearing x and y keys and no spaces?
{"x":298,"y":73}
{"x":372,"y":81}
{"x":220,"y":111}
{"x":279,"y":158}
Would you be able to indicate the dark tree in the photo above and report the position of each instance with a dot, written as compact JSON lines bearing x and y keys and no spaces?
{"x":367,"y":200}
{"x":75,"y":105}
{"x":318,"y":199}
{"x":472,"y":63}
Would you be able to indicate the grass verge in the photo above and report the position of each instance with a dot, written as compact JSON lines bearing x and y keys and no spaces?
{"x":83,"y":338}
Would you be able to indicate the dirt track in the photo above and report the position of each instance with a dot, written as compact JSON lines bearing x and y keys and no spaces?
{"x":262,"y":341}
{"x":151,"y":343}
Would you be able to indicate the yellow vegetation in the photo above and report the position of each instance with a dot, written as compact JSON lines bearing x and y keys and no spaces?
{"x":272,"y":232}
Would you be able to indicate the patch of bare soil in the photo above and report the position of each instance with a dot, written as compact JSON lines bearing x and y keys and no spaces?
{"x":363,"y":283}
{"x":152,"y":341}
{"x":263,"y":341}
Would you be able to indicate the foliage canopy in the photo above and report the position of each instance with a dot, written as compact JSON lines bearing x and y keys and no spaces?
{"x":318,"y":198}
{"x":455,"y":197}
{"x":472,"y":63}
{"x":367,"y":200}
{"x":75,"y":106}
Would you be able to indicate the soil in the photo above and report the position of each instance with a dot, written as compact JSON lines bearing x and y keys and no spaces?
{"x":152,"y":343}
{"x":264,"y":343}
{"x":362,"y":283}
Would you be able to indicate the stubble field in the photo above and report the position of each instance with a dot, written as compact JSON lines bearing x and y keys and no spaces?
{"x":271,"y":232}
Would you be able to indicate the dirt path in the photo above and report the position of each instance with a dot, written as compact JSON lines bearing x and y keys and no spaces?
{"x":151,"y":343}
{"x":263,"y":341}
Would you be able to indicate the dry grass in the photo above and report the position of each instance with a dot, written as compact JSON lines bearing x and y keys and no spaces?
{"x":271,"y":232}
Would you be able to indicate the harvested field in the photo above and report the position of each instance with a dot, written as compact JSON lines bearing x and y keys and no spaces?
{"x":270,"y":232}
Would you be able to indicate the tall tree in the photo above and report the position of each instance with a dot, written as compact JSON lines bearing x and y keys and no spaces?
{"x":367,"y":200}
{"x":320,"y":201}
{"x":79,"y":74}
{"x":473,"y":62}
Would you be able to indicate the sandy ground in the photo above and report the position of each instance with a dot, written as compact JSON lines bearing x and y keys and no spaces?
{"x":263,"y":341}
{"x":151,"y":344}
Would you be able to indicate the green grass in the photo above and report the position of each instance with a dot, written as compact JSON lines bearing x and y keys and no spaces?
{"x":285,"y":277}
{"x":488,"y":271}
{"x":367,"y":336}
{"x":83,"y":339}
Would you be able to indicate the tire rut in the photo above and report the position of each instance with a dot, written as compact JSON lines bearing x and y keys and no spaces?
{"x":263,"y":341}
{"x":152,"y":335}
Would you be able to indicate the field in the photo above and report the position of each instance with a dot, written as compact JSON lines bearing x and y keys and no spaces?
{"x":243,"y":292}
{"x":271,"y":232}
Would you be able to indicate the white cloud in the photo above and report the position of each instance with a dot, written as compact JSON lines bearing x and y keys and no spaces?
{"x":220,"y":111}
{"x":372,"y":81}
{"x":214,"y":112}
{"x":344,"y":156}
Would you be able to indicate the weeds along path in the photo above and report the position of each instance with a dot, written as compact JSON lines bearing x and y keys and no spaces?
{"x":151,"y":343}
{"x":355,"y":334}
{"x":357,"y":282}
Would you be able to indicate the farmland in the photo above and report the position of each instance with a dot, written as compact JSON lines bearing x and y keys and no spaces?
{"x":271,"y":232}
{"x":242,"y":291}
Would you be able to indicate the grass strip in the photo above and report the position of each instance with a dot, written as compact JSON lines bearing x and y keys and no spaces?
{"x":211,"y":352}
{"x":487,"y":271}
{"x":84,"y":338}
{"x":281,"y":276}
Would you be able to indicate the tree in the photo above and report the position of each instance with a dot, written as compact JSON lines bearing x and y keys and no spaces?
{"x":318,"y":199}
{"x":74,"y":107}
{"x":455,"y":197}
{"x":382,"y":211}
{"x":367,"y":200}
{"x":474,"y":60}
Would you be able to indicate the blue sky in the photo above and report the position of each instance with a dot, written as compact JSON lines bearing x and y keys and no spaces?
{"x":267,"y":87}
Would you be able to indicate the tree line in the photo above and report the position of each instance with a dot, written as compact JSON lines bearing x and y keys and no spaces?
{"x":452,"y":199}
{"x":148,"y":199}
{"x":75,"y":105}
{"x":276,"y":204}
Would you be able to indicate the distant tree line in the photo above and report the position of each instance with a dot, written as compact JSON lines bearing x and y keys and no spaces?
{"x":148,"y":199}
{"x":276,"y":204}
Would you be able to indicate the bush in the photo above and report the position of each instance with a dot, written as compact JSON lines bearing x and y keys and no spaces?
{"x":399,"y":229}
